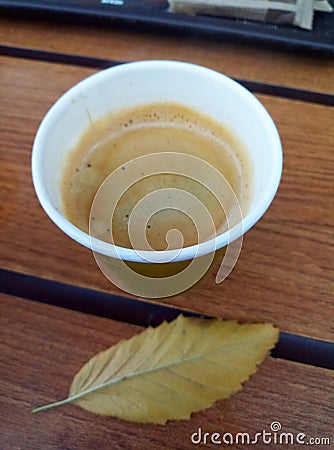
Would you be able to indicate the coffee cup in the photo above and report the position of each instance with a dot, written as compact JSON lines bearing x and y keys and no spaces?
{"x":141,"y":270}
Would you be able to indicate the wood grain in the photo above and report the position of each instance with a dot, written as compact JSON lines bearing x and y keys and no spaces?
{"x":42,"y":347}
{"x":241,"y":61}
{"x":285,"y":272}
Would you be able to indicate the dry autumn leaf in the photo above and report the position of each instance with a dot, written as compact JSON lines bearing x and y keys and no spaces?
{"x":168,"y":372}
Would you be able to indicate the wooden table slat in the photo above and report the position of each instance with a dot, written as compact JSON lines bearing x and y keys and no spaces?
{"x":300,"y":397}
{"x":240,"y":61}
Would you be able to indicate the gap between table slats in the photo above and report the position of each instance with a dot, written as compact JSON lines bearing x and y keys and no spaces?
{"x":101,"y":63}
{"x":291,"y":347}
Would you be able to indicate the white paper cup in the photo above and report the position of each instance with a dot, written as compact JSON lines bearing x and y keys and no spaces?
{"x":146,"y":82}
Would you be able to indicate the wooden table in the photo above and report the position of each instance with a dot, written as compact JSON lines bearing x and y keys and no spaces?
{"x":57,"y":309}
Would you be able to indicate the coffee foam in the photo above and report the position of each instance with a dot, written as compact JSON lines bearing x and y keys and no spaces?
{"x":118,"y":138}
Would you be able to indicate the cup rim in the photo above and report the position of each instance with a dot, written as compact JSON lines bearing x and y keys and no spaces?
{"x":186,"y":253}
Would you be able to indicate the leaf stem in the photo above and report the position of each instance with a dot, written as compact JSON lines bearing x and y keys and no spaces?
{"x":74,"y":397}
{"x":51,"y":405}
{"x":59,"y":403}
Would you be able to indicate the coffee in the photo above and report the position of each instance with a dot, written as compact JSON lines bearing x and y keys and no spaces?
{"x":117,"y":139}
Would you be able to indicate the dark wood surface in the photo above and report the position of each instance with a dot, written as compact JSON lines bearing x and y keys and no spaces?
{"x":63,"y":340}
{"x":240,"y":61}
{"x":284,"y":274}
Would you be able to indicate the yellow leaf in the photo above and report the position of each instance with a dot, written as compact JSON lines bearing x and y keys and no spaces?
{"x":168,"y":372}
